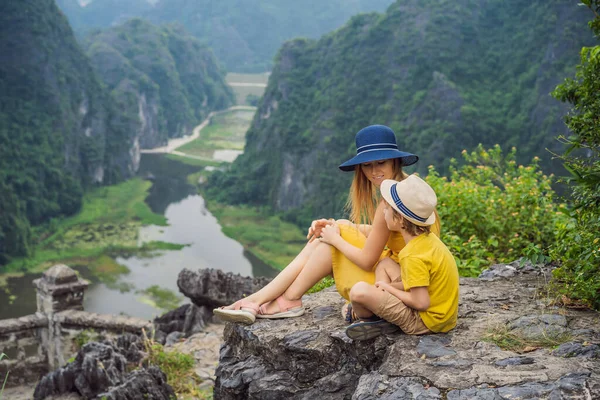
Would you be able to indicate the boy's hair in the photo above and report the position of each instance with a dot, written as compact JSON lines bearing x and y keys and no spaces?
{"x":362,"y":198}
{"x":409,"y":227}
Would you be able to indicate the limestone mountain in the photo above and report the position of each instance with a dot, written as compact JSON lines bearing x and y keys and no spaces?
{"x":244,"y":34}
{"x":59,"y":131}
{"x":87,"y":15}
{"x":445,"y":75}
{"x":164,"y":80}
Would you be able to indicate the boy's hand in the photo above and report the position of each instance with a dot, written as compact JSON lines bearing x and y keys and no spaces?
{"x":383,"y":286}
{"x":316,"y":227}
{"x":329,"y":234}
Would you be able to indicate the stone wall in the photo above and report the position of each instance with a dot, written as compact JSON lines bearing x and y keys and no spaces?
{"x":38,"y":343}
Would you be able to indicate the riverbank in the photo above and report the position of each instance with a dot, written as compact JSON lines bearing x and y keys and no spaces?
{"x":106,"y":226}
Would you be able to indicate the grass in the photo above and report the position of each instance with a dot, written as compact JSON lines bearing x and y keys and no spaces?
{"x":269,"y":238}
{"x":179,"y":369}
{"x":2,"y":355}
{"x":86,"y":336}
{"x":513,"y":340}
{"x":226,"y":131}
{"x":160,"y":298}
{"x":322,"y":284}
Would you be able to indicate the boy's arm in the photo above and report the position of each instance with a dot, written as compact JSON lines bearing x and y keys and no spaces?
{"x":367,"y":256}
{"x":417,"y":298}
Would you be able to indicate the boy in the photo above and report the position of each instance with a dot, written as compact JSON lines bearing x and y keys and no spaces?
{"x":420,"y":295}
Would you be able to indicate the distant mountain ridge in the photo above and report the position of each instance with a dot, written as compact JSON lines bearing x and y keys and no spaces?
{"x":59,"y":131}
{"x":164,"y":80}
{"x":445,"y":75}
{"x":244,"y":34}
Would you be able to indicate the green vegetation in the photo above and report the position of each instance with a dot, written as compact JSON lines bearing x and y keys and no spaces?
{"x":2,"y":355}
{"x":578,"y":241}
{"x":178,"y":367}
{"x":269,"y":238}
{"x":169,"y":76}
{"x":245,"y":34}
{"x":193,"y":161}
{"x":322,"y":284}
{"x":401,"y":69}
{"x":160,"y":298}
{"x":513,"y":340}
{"x":494,"y":210}
{"x":252,"y":100}
{"x":107,"y":226}
{"x":86,"y":336}
{"x":226,"y":131}
{"x":58,"y":128}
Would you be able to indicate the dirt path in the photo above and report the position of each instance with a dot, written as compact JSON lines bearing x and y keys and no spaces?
{"x":178,"y":142}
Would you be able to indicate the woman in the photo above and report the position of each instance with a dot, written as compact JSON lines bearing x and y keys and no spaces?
{"x":349,"y":250}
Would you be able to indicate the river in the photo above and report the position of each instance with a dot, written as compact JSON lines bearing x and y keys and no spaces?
{"x":190,"y":223}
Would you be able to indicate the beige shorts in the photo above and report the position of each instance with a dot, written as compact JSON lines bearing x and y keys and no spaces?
{"x":393,"y":310}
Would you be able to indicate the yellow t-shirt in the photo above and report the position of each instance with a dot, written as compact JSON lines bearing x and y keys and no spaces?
{"x":426,"y":261}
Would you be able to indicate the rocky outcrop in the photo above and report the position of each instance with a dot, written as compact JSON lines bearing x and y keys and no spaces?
{"x":207,"y":289}
{"x":311,"y":357}
{"x":100,"y":370}
{"x":210,"y":288}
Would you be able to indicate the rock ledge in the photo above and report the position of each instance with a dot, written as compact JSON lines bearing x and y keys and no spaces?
{"x":311,"y":357}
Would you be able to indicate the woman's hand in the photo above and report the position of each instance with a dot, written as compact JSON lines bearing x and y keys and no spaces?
{"x":316,"y":227}
{"x":329,"y":234}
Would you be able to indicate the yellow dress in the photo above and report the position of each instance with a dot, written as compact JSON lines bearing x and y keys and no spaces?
{"x":346,"y":274}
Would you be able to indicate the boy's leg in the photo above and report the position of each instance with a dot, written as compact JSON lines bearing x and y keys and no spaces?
{"x":365,"y":299}
{"x":387,"y":270}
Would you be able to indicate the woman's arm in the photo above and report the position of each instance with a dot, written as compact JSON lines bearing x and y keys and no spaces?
{"x":368,"y":256}
{"x":416,"y":298}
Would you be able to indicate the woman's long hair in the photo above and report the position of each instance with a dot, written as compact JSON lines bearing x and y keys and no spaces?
{"x":363,"y":197}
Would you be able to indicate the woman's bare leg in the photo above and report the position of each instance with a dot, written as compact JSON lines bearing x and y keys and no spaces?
{"x":318,"y":266}
{"x":284,"y":279}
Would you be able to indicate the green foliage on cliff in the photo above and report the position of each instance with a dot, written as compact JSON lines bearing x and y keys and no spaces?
{"x":245,"y":34}
{"x":445,"y":75}
{"x":578,"y":245}
{"x":57,"y":132}
{"x":160,"y":72}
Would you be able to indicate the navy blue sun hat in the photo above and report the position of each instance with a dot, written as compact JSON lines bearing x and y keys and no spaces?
{"x":374,"y":143}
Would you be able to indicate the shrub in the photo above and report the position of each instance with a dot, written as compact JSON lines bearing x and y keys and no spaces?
{"x":578,"y":244}
{"x":493,"y":210}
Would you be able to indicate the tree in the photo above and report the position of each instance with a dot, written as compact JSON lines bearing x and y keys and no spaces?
{"x":578,"y":247}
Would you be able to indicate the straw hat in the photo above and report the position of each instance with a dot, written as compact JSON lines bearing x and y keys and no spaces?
{"x":412,"y":197}
{"x":374,"y":143}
